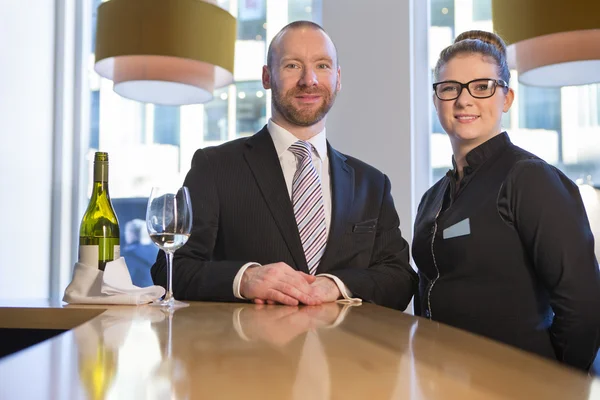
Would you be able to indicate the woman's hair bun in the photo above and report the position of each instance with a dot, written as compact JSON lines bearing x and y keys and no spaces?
{"x":486,"y":37}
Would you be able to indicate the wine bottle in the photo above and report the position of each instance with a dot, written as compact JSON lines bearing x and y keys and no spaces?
{"x":99,"y":231}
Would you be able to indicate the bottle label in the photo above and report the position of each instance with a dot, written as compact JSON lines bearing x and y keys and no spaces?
{"x":99,"y":255}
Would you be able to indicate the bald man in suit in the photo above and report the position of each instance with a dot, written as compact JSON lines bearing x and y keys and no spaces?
{"x":251,"y":195}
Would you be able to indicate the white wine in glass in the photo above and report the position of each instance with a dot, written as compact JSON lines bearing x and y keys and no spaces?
{"x":169,"y":222}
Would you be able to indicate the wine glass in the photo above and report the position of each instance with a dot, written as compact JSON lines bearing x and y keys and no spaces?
{"x":169,"y":222}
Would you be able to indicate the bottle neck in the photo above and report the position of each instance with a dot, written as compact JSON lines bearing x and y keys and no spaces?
{"x":100,"y":179}
{"x":100,"y":188}
{"x":101,"y":172}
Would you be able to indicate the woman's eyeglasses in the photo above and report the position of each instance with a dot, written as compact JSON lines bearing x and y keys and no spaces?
{"x":478,"y":88}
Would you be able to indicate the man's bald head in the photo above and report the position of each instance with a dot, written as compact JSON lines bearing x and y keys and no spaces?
{"x":294,"y":25}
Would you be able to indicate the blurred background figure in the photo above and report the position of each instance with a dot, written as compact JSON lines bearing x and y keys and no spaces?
{"x":139,"y":252}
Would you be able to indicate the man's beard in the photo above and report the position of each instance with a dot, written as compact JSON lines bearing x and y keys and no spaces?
{"x":297,"y":115}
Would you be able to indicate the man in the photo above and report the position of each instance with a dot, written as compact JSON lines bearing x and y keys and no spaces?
{"x":281,"y":217}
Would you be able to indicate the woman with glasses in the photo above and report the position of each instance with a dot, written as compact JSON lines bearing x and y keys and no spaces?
{"x":502,"y":242}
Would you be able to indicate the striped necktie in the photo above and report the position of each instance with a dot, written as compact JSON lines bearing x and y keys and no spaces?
{"x":307,"y":199}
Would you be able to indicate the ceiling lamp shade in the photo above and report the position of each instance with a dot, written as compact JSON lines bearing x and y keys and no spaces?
{"x":551,"y":43}
{"x":169,"y":52}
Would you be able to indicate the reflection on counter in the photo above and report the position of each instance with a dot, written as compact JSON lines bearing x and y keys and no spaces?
{"x":279,"y":325}
{"x":441,"y":366}
{"x":97,"y":370}
{"x":168,"y":379}
{"x":239,"y":351}
{"x":117,"y":351}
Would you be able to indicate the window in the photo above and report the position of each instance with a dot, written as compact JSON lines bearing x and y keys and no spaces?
{"x":215,"y":117}
{"x":95,"y":119}
{"x":150,"y":144}
{"x":442,"y":13}
{"x":166,"y":125}
{"x":250,"y":107}
{"x":252,"y":19}
{"x":303,"y":9}
{"x":482,"y":10}
{"x":540,"y":107}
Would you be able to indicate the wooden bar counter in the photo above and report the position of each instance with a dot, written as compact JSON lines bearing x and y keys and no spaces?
{"x":245,"y":351}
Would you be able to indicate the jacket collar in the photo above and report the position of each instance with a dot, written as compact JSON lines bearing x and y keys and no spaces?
{"x":480,"y":154}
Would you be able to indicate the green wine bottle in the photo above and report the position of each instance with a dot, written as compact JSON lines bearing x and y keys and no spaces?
{"x":99,"y":232}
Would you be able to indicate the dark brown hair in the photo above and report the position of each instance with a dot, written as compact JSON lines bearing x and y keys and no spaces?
{"x":481,"y":42}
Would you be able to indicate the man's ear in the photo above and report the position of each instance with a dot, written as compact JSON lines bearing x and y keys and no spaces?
{"x":266,"y":77}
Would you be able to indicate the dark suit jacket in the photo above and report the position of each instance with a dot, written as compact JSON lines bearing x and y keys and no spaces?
{"x":243,"y":213}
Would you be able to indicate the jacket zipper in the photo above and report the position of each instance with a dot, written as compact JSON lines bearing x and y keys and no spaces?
{"x":434,"y":262}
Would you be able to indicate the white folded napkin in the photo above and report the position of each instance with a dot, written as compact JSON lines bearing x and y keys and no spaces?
{"x":113,"y":286}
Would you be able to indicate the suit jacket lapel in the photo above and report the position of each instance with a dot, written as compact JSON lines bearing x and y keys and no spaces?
{"x":261,"y":156}
{"x":342,"y":196}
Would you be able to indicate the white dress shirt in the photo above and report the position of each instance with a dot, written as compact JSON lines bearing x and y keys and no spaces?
{"x":283,"y":139}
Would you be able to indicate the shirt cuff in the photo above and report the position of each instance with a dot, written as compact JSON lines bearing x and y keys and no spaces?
{"x":237,"y":281}
{"x":346,"y":293}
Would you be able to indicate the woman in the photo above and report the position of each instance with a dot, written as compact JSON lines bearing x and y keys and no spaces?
{"x":502,"y":242}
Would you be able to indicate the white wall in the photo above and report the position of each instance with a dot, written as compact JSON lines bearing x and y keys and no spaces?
{"x":382,"y":112}
{"x":26,"y":126}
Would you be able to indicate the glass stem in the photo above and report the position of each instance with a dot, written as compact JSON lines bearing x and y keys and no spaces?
{"x":169,"y":294}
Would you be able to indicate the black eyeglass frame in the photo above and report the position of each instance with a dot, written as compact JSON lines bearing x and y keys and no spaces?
{"x":497,"y":82}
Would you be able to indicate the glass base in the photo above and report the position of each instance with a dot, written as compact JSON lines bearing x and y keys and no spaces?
{"x":169,"y":303}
